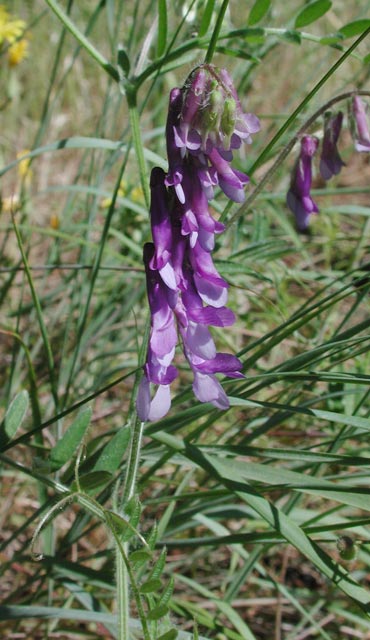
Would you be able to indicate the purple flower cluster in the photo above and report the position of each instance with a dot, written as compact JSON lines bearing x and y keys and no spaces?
{"x":186,"y":293}
{"x":299,"y":199}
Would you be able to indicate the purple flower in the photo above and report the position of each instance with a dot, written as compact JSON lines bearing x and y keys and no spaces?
{"x":186,"y":293}
{"x":205,"y":124}
{"x":212,"y":115}
{"x":200,"y":351}
{"x":298,"y":198}
{"x":330,"y":161}
{"x":162,"y":341}
{"x":361,"y":128}
{"x":161,"y":228}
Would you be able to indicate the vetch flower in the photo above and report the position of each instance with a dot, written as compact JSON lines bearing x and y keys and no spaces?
{"x":361,"y":132}
{"x":158,"y":369}
{"x":205,"y":123}
{"x":330,"y":162}
{"x":186,"y":293}
{"x":299,"y":199}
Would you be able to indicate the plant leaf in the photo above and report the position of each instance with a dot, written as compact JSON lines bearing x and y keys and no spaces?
{"x":67,"y":445}
{"x":354,"y":28}
{"x":258,"y":11}
{"x":206,"y":18}
{"x":111,"y":456}
{"x":162,"y":28}
{"x":14,"y":416}
{"x":312,"y":12}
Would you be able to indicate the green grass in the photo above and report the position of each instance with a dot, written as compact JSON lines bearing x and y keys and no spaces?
{"x":253,"y":505}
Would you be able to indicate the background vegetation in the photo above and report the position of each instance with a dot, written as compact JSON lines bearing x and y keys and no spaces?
{"x":263,"y":509}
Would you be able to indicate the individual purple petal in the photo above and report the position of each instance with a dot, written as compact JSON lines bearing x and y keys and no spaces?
{"x":215,"y":317}
{"x":330,"y":161}
{"x":152,"y":409}
{"x":208,"y":179}
{"x":225,"y":363}
{"x":161,"y":228}
{"x":157,"y":372}
{"x":299,"y":199}
{"x":302,"y":209}
{"x":361,"y":127}
{"x":230,"y":180}
{"x":208,"y":389}
{"x":161,"y":403}
{"x":174,"y":175}
{"x":199,"y":340}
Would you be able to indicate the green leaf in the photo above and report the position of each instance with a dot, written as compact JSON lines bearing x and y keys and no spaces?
{"x":150,"y":586}
{"x":140,"y":556}
{"x":169,"y":635}
{"x":14,"y":416}
{"x":206,"y":18}
{"x":93,"y":480}
{"x":366,"y":59}
{"x":158,"y":612}
{"x":112,"y":454}
{"x":162,"y":28}
{"x":121,"y":526}
{"x":312,"y":12}
{"x":167,"y":592}
{"x":257,"y":12}
{"x":240,"y":472}
{"x":354,"y":28}
{"x":67,"y":445}
{"x":157,"y":570}
{"x":123,"y":61}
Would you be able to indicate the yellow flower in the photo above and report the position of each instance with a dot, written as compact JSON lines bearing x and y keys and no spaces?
{"x":121,"y":192}
{"x":10,"y":204}
{"x":17,"y":52}
{"x":54,"y":221}
{"x":10,"y":29}
{"x":137,"y":195}
{"x":24,"y":170}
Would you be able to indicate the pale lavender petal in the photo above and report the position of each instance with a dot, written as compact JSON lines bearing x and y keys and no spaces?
{"x":210,"y":292}
{"x":362,"y":133}
{"x":167,"y":274}
{"x":161,"y":403}
{"x":199,"y":341}
{"x":208,"y":389}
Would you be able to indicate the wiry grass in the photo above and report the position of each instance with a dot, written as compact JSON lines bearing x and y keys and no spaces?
{"x":254,"y":505}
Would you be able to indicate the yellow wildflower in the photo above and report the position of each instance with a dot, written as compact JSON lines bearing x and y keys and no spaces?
{"x":24,"y":163}
{"x":137,"y":195}
{"x":54,"y":221}
{"x":121,"y":192}
{"x":17,"y":52}
{"x":10,"y":29}
{"x":10,"y":204}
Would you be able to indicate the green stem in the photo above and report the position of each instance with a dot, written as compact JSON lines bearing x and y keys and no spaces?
{"x":133,"y":461}
{"x":83,"y":41}
{"x":216,"y":33}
